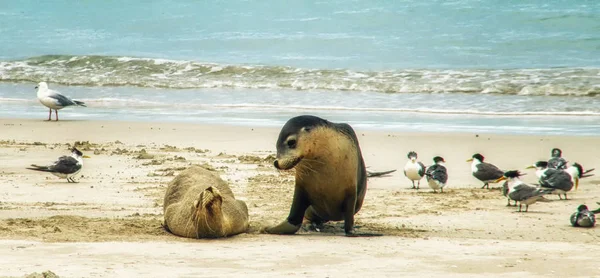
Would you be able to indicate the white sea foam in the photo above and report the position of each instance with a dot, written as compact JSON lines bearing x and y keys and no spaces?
{"x":176,"y":74}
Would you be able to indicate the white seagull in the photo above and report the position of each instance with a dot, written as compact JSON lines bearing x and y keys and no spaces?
{"x":414,"y":170}
{"x":54,"y":100}
{"x":65,"y":166}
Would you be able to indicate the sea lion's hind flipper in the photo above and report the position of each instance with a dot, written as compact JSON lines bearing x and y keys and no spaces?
{"x":284,"y":228}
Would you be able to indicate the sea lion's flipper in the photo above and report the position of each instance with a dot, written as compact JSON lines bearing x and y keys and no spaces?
{"x":294,"y":221}
{"x":210,"y":198}
{"x":312,"y":216}
{"x":348,"y":209}
{"x":284,"y":228}
{"x":165,"y":227}
{"x":349,"y":204}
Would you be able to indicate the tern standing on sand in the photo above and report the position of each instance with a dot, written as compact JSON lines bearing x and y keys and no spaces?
{"x":54,"y":100}
{"x":65,"y":167}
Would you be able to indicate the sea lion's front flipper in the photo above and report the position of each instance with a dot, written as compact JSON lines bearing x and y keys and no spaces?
{"x":210,"y":198}
{"x":284,"y":228}
{"x":349,"y":205}
{"x":294,"y":221}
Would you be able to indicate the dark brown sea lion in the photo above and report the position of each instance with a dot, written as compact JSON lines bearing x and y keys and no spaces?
{"x":331,"y":179}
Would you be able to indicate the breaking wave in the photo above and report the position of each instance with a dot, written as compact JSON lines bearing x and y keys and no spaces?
{"x":161,"y":73}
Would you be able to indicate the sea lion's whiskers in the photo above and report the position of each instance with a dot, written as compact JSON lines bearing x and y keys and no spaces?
{"x":301,"y":172}
{"x":314,"y":160}
{"x":189,"y":222}
{"x":307,"y":169}
{"x":198,"y":224}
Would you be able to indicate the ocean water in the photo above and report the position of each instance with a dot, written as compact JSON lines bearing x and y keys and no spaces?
{"x":466,"y":65}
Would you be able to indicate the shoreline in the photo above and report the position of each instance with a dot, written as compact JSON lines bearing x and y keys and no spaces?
{"x":376,"y":128}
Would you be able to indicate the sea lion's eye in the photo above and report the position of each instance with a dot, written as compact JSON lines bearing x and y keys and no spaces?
{"x":291,"y":143}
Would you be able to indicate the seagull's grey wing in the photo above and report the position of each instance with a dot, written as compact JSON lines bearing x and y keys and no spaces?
{"x":422,"y":170}
{"x":487,"y":172}
{"x":505,"y":189}
{"x":66,"y":165}
{"x":60,"y":99}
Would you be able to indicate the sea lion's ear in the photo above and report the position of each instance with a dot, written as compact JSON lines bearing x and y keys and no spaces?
{"x":306,"y":128}
{"x":196,"y":203}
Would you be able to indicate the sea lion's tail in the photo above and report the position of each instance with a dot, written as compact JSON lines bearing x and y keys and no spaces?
{"x":378,"y":174}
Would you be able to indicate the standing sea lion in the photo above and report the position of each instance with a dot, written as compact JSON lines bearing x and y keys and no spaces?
{"x":199,"y":204}
{"x":331,"y":178}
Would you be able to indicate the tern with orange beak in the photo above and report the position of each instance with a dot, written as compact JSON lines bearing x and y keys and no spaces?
{"x":559,"y":181}
{"x":483,"y":171}
{"x":521,"y":192}
{"x":65,"y":166}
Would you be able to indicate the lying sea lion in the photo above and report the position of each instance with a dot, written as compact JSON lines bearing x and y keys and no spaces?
{"x":331,"y":178}
{"x":199,"y":204}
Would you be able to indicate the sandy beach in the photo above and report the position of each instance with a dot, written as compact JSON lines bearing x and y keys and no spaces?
{"x":109,"y":224}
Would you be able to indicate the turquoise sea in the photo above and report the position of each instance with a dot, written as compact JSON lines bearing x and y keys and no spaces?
{"x":459,"y":66}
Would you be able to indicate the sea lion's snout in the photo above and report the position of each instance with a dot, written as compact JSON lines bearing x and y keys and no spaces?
{"x":289,"y":153}
{"x":287,"y":162}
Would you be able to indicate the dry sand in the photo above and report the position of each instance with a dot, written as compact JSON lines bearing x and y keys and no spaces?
{"x":108,"y":224}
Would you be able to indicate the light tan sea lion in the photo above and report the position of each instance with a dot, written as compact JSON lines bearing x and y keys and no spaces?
{"x":199,"y":204}
{"x":331,"y":178}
